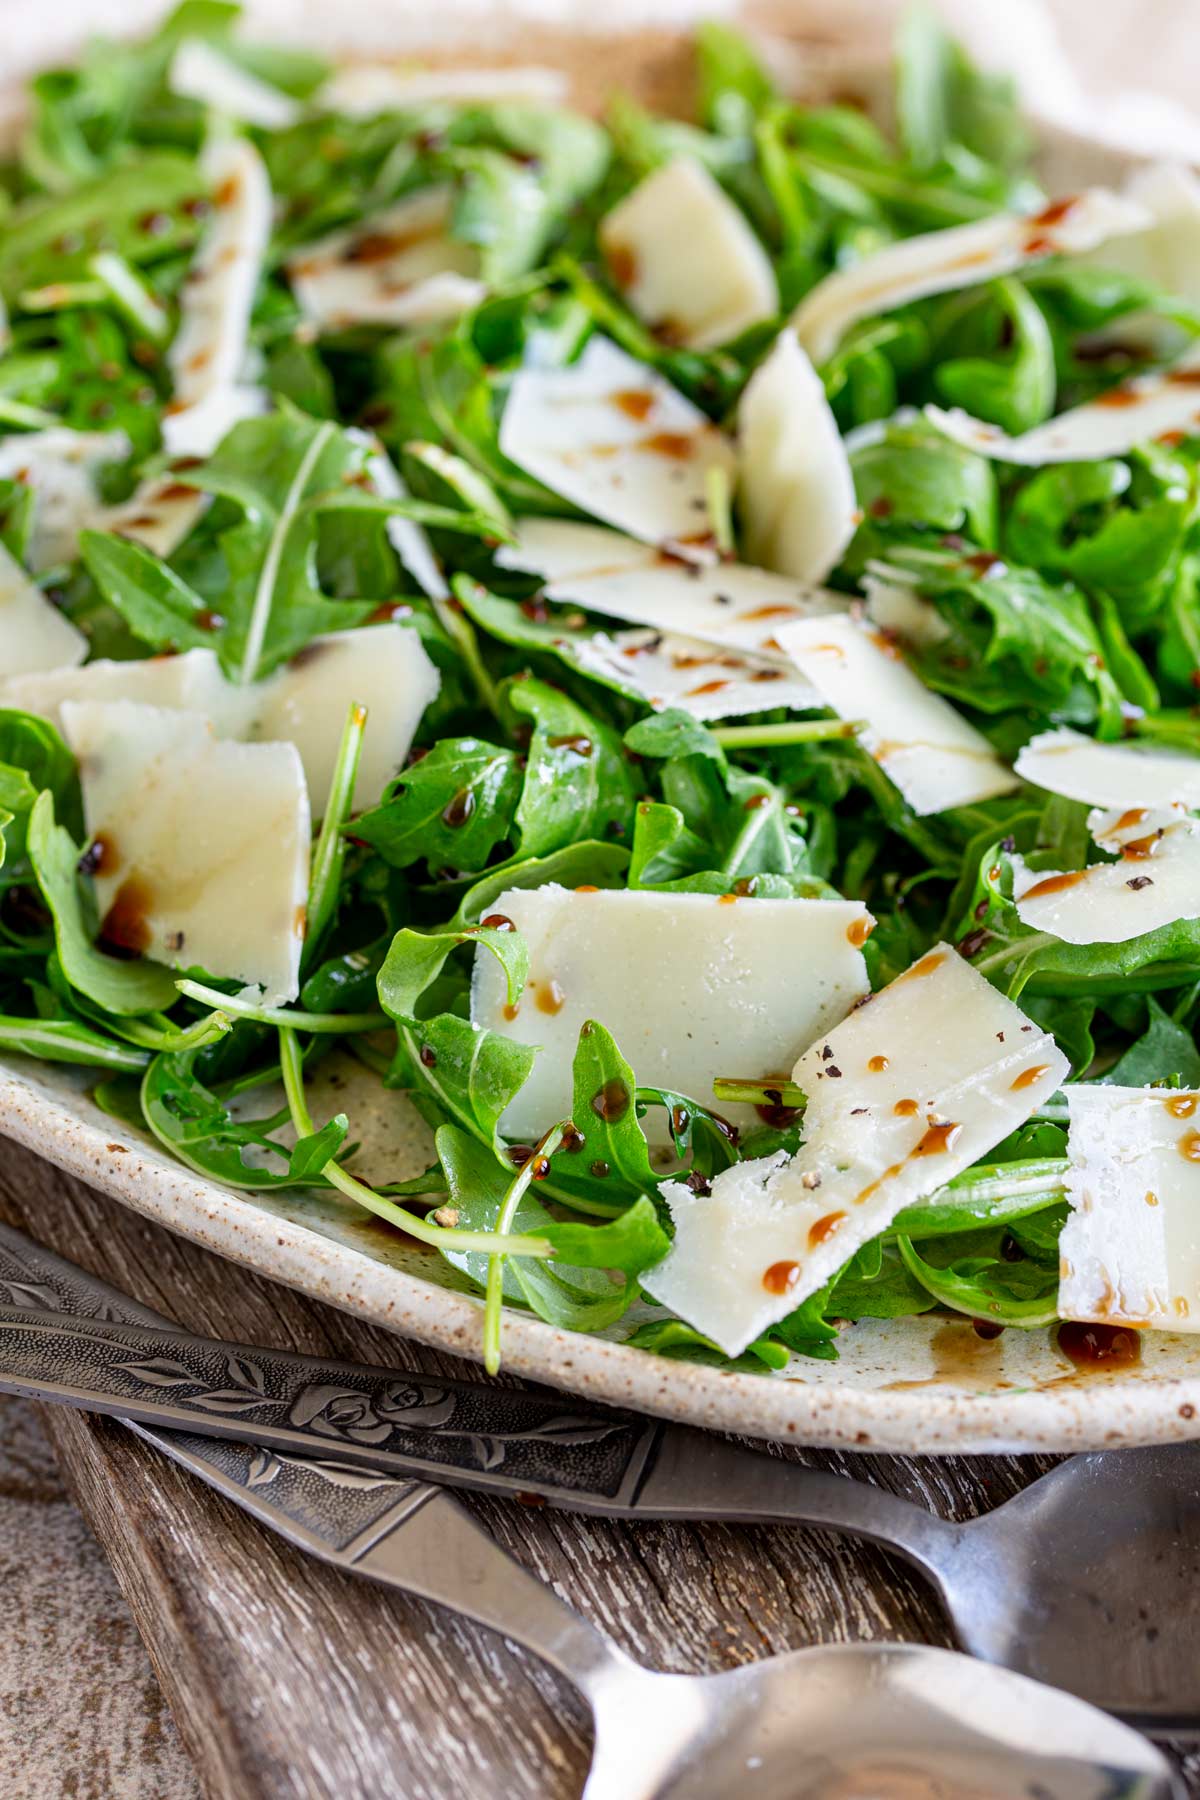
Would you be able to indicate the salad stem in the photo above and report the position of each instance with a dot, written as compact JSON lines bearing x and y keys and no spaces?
{"x":720,"y":509}
{"x":461,"y":632}
{"x":440,"y":1237}
{"x":174,"y":1040}
{"x":763,"y":1091}
{"x":798,"y":731}
{"x":284,"y":1016}
{"x":330,"y":853}
{"x":494,"y":1292}
{"x":131,"y":296}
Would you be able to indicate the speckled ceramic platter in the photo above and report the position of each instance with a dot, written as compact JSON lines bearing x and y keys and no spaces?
{"x":918,"y":1385}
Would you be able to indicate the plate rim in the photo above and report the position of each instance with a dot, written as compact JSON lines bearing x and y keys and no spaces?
{"x":1086,"y":1413}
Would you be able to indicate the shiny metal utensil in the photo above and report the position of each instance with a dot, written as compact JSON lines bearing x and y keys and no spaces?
{"x":1086,"y":1580}
{"x":888,"y":1721}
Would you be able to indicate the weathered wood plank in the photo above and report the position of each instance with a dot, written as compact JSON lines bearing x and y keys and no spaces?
{"x":80,"y":1711}
{"x":290,"y":1681}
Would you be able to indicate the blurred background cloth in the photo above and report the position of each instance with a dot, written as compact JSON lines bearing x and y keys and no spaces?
{"x":1127,"y":68}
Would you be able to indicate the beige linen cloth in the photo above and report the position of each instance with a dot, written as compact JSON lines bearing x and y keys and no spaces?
{"x":79,"y":1709}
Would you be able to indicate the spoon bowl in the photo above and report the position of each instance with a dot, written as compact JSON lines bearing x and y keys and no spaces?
{"x":888,"y":1721}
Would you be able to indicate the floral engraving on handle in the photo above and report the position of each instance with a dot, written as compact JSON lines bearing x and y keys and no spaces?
{"x":269,"y":1465}
{"x":29,"y":1295}
{"x":351,"y":1415}
{"x":337,"y":1412}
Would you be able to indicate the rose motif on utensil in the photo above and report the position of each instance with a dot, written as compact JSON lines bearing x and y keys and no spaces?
{"x":401,"y":1404}
{"x":338,"y":1412}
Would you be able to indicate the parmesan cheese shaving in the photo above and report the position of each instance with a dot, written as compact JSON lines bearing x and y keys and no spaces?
{"x":617,"y":440}
{"x":909,"y":1090}
{"x":686,"y":259}
{"x":938,"y":262}
{"x":1130,"y":1250}
{"x":936,"y":759}
{"x":397,"y":267}
{"x":797,"y":495}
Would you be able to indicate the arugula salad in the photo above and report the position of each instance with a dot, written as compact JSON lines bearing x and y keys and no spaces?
{"x":674,"y":645}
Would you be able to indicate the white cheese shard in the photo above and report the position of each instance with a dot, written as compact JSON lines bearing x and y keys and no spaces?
{"x":361,"y":90}
{"x":897,"y":608}
{"x":1130,"y":1249}
{"x":382,"y":667}
{"x":200,"y":72}
{"x":33,"y":633}
{"x":1079,"y":768}
{"x":796,"y":493}
{"x":1155,"y":882}
{"x":909,"y":1090}
{"x":730,"y":605}
{"x":398,"y":267}
{"x":1162,"y":405}
{"x":203,"y":844}
{"x":159,"y":513}
{"x":1167,"y":253}
{"x":618,"y":441}
{"x":691,"y":986}
{"x":409,"y":540}
{"x":60,"y":466}
{"x":939,"y":262}
{"x":697,"y":678}
{"x":921,"y":742}
{"x":191,"y":682}
{"x":686,"y":259}
{"x":208,"y":354}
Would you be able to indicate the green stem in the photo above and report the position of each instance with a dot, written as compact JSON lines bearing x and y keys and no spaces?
{"x":800,"y":731}
{"x":461,"y":632}
{"x":30,"y":418}
{"x":292,"y":1019}
{"x":483,"y":1243}
{"x":59,"y":294}
{"x":172,"y":1040}
{"x":764,"y":1091}
{"x":330,"y":853}
{"x":264,"y":592}
{"x":898,"y":189}
{"x":1178,"y":726}
{"x":784,"y":190}
{"x":60,"y":1040}
{"x":1012,"y":951}
{"x":991,"y":1194}
{"x":493,"y":1305}
{"x":130,"y":295}
{"x":720,"y":508}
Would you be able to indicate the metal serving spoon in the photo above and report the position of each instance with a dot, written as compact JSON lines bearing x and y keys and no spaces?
{"x":848,"y":1722}
{"x":1086,"y":1580}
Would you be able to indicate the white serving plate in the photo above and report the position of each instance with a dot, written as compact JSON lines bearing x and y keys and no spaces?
{"x":918,"y":1385}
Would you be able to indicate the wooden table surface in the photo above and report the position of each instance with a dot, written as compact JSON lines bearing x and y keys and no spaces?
{"x":290,"y":1681}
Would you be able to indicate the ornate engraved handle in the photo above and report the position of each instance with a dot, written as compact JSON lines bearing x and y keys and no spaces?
{"x":105,"y":1359}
